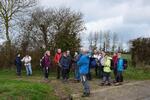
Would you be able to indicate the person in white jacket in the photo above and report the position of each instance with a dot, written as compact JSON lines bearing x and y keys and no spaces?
{"x":27,"y":62}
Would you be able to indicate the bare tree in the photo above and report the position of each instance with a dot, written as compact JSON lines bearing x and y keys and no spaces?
{"x":90,"y":40}
{"x":96,"y":35}
{"x":100,"y":40}
{"x":106,"y":42}
{"x":120,"y":46}
{"x":114,"y":41}
{"x":9,"y":11}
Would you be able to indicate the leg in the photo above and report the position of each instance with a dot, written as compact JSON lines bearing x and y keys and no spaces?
{"x":58,"y":71}
{"x":27,"y":70}
{"x":121,"y":76}
{"x":17,"y":69}
{"x":63,"y":76}
{"x":66,"y":71}
{"x":115,"y":74}
{"x":85,"y":84}
{"x":46,"y":73}
{"x":104,"y":78}
{"x":96,"y":70}
{"x":30,"y":69}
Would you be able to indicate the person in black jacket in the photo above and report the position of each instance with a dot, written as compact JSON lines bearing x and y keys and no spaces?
{"x":65,"y":62}
{"x":18,"y":64}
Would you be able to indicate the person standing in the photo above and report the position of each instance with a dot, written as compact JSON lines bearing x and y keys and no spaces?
{"x":107,"y":70}
{"x":27,"y":62}
{"x":18,"y":64}
{"x":56,"y":60}
{"x":65,"y":62}
{"x":77,"y":75}
{"x":70,"y":62}
{"x":120,"y":69}
{"x":83,"y":64}
{"x":46,"y":64}
{"x":115,"y":60}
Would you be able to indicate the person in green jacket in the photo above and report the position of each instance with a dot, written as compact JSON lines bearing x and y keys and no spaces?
{"x":106,"y":70}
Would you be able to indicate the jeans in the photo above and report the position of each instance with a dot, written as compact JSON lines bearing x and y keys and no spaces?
{"x":101,"y":71}
{"x":106,"y":77}
{"x":18,"y":70}
{"x":77,"y":74}
{"x":85,"y":83}
{"x":29,"y":69}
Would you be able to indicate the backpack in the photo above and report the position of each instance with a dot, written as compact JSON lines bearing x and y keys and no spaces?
{"x":125,"y":63}
{"x":42,"y":62}
{"x":112,"y":64}
{"x":93,"y":63}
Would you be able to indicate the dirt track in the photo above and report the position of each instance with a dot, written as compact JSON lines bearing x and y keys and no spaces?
{"x":139,"y":90}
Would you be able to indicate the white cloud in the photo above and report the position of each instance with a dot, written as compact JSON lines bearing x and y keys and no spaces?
{"x":129,"y":18}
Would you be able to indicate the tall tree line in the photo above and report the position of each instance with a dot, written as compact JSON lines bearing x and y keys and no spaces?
{"x":105,"y":40}
{"x":38,"y":29}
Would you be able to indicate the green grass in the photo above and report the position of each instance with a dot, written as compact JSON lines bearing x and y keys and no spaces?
{"x":13,"y":88}
{"x":133,"y":73}
{"x":31,"y":88}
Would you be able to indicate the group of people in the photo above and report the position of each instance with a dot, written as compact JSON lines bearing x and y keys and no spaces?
{"x":82,"y":61}
{"x":27,"y":63}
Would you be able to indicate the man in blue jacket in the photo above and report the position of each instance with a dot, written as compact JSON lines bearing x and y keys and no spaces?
{"x":83,"y":64}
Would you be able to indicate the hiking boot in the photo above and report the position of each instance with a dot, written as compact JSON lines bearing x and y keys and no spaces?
{"x":86,"y":95}
{"x":108,"y":84}
{"x":117,"y":84}
{"x":102,"y":84}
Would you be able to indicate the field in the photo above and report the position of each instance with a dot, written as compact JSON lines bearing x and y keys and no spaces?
{"x":34,"y":88}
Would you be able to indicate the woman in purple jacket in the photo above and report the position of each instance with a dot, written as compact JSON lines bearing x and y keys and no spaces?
{"x":46,"y":64}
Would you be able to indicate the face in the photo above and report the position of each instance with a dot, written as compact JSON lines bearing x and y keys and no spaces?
{"x":95,"y":51}
{"x":65,"y":54}
{"x":18,"y":55}
{"x":48,"y":53}
{"x":59,"y":50}
{"x":68,"y":52}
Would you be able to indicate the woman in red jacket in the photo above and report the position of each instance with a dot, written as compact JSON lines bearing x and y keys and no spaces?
{"x":56,"y":60}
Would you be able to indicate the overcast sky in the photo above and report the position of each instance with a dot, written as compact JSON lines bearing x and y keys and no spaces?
{"x":129,"y":18}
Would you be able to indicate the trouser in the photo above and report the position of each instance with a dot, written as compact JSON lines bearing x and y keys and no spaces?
{"x":119,"y":76}
{"x":68,"y":73}
{"x":85,"y":84}
{"x":77,"y":74}
{"x":46,"y":72}
{"x":65,"y":74}
{"x":96,"y":70}
{"x":58,"y":71}
{"x":18,"y":70}
{"x":29,"y":69}
{"x":106,"y":77}
{"x":115,"y":73}
{"x":101,"y":71}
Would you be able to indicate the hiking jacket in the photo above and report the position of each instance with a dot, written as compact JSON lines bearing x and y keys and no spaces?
{"x":65,"y":62}
{"x":107,"y":64}
{"x":83,"y":64}
{"x":120,"y":66}
{"x":57,"y":57}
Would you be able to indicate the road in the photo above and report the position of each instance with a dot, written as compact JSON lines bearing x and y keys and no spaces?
{"x":139,"y":90}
